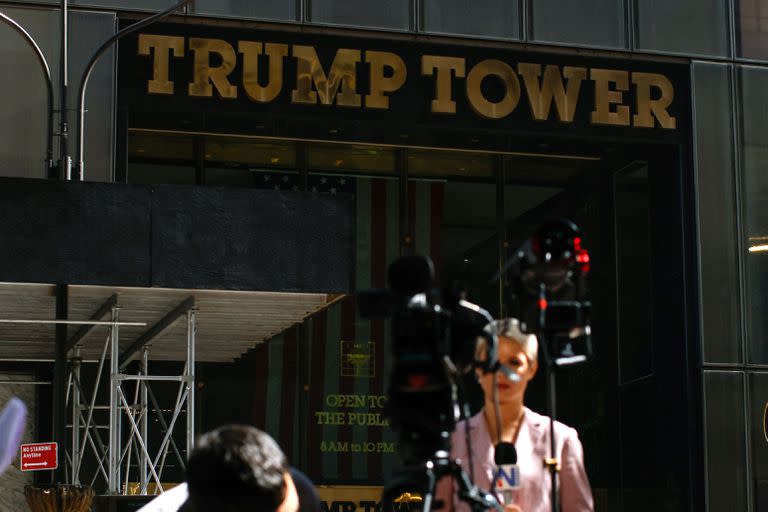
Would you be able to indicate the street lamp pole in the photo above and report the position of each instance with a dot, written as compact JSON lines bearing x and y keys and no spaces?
{"x":89,"y":68}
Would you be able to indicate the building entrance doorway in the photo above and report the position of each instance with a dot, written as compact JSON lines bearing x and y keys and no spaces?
{"x":468,"y":210}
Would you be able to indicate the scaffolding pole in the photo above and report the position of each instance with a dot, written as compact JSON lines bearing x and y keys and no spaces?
{"x":114,"y":404}
{"x":190,"y":375}
{"x":76,"y":413}
{"x":143,"y":459}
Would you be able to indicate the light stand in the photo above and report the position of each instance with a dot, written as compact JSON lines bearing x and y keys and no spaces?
{"x":553,"y":261}
{"x":552,"y":463}
{"x":551,"y":363}
{"x":440,"y":464}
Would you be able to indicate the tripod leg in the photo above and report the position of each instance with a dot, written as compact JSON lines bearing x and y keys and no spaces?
{"x":478,"y":499}
{"x":429,"y":496}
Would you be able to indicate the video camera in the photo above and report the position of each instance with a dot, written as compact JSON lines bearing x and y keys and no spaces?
{"x":438,"y":339}
{"x":546,"y":286}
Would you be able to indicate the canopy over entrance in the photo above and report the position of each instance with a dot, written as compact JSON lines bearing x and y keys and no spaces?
{"x":228,"y":323}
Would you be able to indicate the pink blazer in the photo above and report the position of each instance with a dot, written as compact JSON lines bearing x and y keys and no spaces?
{"x":532,"y":448}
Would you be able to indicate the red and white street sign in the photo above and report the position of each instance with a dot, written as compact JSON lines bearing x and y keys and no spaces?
{"x":39,"y":456}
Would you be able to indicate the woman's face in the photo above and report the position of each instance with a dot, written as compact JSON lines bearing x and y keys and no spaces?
{"x":511,"y":355}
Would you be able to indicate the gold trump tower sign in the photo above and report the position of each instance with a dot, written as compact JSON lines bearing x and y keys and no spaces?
{"x":370,"y":80}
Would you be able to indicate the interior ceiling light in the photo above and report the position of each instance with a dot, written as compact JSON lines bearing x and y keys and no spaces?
{"x":759,"y":248}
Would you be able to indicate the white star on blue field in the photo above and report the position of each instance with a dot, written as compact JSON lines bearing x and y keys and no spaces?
{"x":318,"y":184}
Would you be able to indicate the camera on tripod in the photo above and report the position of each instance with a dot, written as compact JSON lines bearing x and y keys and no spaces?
{"x":547,"y":285}
{"x":438,"y":339}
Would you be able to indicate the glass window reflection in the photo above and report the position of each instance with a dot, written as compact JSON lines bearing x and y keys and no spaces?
{"x":754,"y":156}
{"x":758,"y":421}
{"x":634,"y":271}
{"x":381,"y":13}
{"x":587,"y":22}
{"x":752,"y":25}
{"x":358,"y":158}
{"x":725,"y":440}
{"x":697,"y":27}
{"x":449,"y":163}
{"x":269,"y":9}
{"x":717,"y":226}
{"x":492,"y":18}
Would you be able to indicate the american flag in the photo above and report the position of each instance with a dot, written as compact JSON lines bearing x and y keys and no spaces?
{"x":279,"y":385}
{"x":285,"y":181}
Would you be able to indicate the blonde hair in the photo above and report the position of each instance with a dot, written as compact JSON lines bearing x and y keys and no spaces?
{"x":510,"y":328}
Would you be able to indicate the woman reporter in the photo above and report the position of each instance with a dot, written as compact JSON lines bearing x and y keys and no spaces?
{"x":527,"y":430}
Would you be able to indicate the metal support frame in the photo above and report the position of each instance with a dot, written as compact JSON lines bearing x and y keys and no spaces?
{"x":157,"y":330}
{"x":127,"y":457}
{"x":86,"y":329}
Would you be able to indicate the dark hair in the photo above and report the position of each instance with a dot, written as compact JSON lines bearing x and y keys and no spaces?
{"x":236,"y":467}
{"x":309,"y":501}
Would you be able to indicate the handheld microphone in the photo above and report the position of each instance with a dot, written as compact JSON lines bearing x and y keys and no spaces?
{"x":511,"y":376}
{"x":12,"y":421}
{"x":505,"y":454}
{"x":507,"y":479}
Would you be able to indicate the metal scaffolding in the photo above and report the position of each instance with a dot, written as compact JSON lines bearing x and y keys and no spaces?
{"x":126,"y":457}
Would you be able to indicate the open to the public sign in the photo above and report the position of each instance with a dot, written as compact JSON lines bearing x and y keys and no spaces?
{"x":39,"y":456}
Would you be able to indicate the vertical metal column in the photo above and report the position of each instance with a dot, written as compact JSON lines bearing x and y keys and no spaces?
{"x":75,"y":448}
{"x":190,"y":379}
{"x":60,"y":379}
{"x":143,"y":459}
{"x":65,"y":161}
{"x":114,"y":409}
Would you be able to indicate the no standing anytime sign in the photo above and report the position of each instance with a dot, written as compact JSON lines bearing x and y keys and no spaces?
{"x":39,"y":456}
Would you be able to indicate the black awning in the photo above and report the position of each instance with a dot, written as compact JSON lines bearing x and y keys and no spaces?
{"x":174,"y":236}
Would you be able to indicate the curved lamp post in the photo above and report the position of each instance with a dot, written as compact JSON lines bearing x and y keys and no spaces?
{"x":89,"y":68}
{"x":48,"y":82}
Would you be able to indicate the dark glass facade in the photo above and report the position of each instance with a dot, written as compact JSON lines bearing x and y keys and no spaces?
{"x":468,"y":208}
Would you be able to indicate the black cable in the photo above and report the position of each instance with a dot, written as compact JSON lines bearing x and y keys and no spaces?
{"x":497,"y":407}
{"x":497,"y":410}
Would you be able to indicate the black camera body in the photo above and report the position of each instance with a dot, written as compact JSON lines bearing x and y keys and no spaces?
{"x":547,"y":287}
{"x":437,"y":342}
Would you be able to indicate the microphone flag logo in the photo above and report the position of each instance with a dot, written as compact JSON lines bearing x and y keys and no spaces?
{"x":507,"y":477}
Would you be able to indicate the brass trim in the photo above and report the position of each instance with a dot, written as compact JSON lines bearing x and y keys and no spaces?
{"x":551,"y":462}
{"x":367,"y":144}
{"x":408,"y":497}
{"x":765,"y":422}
